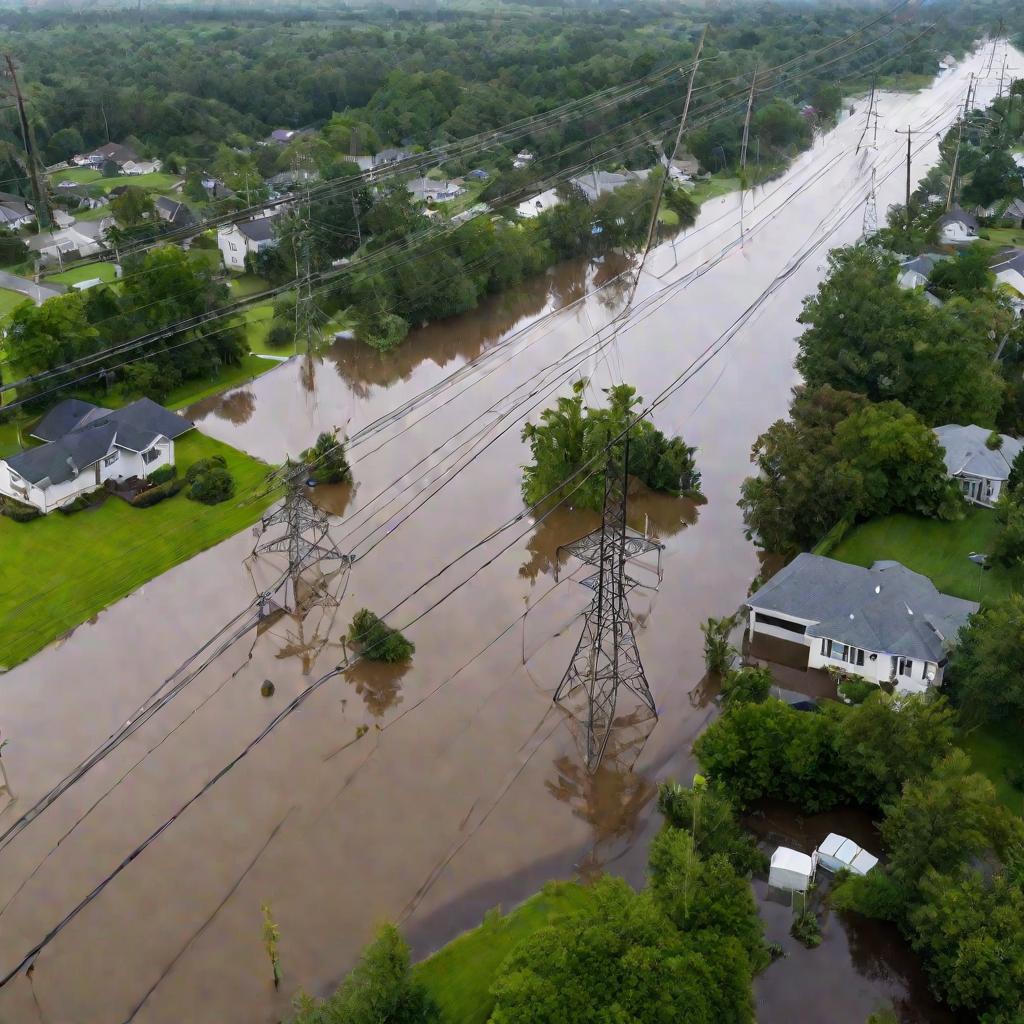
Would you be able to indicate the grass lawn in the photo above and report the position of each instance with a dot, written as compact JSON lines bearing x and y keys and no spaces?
{"x":712,"y":188}
{"x":229,"y":377}
{"x":460,"y":975}
{"x":9,"y":437}
{"x":79,"y":175}
{"x":994,"y":749}
{"x":8,"y":300}
{"x":244,"y":285}
{"x":96,"y":213}
{"x":1004,"y":236}
{"x":158,"y":181}
{"x":937,"y":550}
{"x":61,"y":570}
{"x":104,"y":271}
{"x":257,"y":327}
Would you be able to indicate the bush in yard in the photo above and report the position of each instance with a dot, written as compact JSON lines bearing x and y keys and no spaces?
{"x":718,"y":651}
{"x":750,"y":685}
{"x":162,"y":474}
{"x":212,"y":487}
{"x":18,"y":510}
{"x":326,"y":460}
{"x":83,"y":501}
{"x":806,"y":929}
{"x":154,"y":495}
{"x":201,"y":466}
{"x":377,"y":640}
{"x":280,"y":334}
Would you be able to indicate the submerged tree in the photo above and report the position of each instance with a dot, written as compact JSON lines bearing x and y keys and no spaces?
{"x":327,"y":461}
{"x":377,"y":640}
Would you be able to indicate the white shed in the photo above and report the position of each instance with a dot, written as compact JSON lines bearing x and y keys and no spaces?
{"x":791,"y":869}
{"x":837,"y":852}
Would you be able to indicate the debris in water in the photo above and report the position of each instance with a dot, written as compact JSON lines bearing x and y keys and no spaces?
{"x":267,"y":689}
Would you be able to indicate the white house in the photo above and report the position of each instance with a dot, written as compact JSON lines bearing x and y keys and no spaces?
{"x":137,"y":167}
{"x":1009,"y":271}
{"x":958,"y":227}
{"x":236,"y":241}
{"x":85,"y":445}
{"x":886,"y":624}
{"x":428,"y":190}
{"x":980,"y":470}
{"x":14,"y":211}
{"x":112,"y":152}
{"x":598,"y":183}
{"x":914,"y":273}
{"x":84,"y":237}
{"x":523,"y":159}
{"x":546,"y":200}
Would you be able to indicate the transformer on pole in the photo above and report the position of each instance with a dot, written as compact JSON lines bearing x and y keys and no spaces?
{"x":606,"y":656}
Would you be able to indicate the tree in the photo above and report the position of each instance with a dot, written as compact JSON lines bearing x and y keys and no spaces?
{"x":621,"y":959}
{"x":966,"y":274}
{"x":12,"y":248}
{"x":1008,"y":545}
{"x":327,"y":460}
{"x":377,"y":640}
{"x":866,"y":334}
{"x":46,"y":336}
{"x":132,"y":207}
{"x":779,"y":124}
{"x":381,"y":990}
{"x":750,"y":685}
{"x":986,"y":671}
{"x":995,"y":177}
{"x":111,"y":169}
{"x":719,"y":653}
{"x":63,"y":144}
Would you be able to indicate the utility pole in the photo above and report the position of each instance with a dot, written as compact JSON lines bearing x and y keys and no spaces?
{"x":952,"y":175}
{"x":910,"y":133}
{"x":743,"y":151}
{"x":867,"y":120}
{"x":38,"y":189}
{"x":606,"y":655}
{"x":870,"y":226}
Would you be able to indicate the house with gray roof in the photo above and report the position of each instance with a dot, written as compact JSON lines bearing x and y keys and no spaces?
{"x":957,"y":227}
{"x":979,"y":469}
{"x":886,"y":624}
{"x":914,"y":273}
{"x":85,"y":445}
{"x":595,"y":184}
{"x":236,"y":241}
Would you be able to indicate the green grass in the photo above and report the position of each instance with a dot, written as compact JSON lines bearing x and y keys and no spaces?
{"x":96,"y":213}
{"x":61,"y":570}
{"x":9,"y":300}
{"x":104,"y":271}
{"x":936,"y":549}
{"x":157,"y":181}
{"x":668,"y":217}
{"x":229,"y":377}
{"x":79,"y":175}
{"x":712,"y":188}
{"x":462,"y":203}
{"x":1004,"y":236}
{"x":460,"y":975}
{"x":9,"y":438}
{"x":905,"y":81}
{"x":994,"y":749}
{"x":244,"y":285}
{"x":257,"y":327}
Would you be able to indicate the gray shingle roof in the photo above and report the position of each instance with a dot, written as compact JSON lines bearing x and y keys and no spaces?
{"x":886,"y":609}
{"x":61,"y":460}
{"x":259,"y":230}
{"x":966,"y":451}
{"x":67,"y":416}
{"x":959,"y":216}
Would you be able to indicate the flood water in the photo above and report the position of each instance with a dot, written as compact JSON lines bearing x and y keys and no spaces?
{"x":428,"y":794}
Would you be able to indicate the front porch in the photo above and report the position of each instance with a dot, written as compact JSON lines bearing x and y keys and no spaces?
{"x":787,"y":662}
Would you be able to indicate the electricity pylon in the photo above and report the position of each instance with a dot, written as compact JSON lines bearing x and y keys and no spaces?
{"x":870,"y":228}
{"x":606,"y":656}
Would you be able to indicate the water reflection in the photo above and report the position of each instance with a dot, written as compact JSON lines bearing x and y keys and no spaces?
{"x":332,"y":498}
{"x":236,"y":407}
{"x":379,"y":685}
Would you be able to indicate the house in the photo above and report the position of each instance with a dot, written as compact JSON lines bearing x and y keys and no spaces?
{"x":137,"y":167}
{"x":112,"y":152}
{"x":958,"y":226}
{"x":1013,"y":215}
{"x":282,"y":136}
{"x":523,"y":158}
{"x":886,"y":624}
{"x":391,"y":156}
{"x":599,"y":183}
{"x":478,"y":174}
{"x":86,"y":445}
{"x":979,"y":469}
{"x":14,"y":212}
{"x":915,"y":273}
{"x":428,"y":190}
{"x":546,"y":200}
{"x":236,"y":241}
{"x":83,"y":238}
{"x":285,"y":181}
{"x":176,"y":214}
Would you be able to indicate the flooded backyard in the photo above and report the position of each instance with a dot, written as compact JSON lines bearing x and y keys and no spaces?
{"x":429,"y":793}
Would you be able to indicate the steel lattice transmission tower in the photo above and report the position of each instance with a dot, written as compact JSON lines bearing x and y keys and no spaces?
{"x":870,"y":228}
{"x":306,"y":539}
{"x":606,"y":655}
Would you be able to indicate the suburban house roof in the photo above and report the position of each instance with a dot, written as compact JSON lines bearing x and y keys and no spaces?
{"x":172,"y":209}
{"x":597,"y":183}
{"x":923,"y":264}
{"x":959,"y":216}
{"x":258,"y":230}
{"x":885,"y":609}
{"x":79,"y":434}
{"x":966,"y":451}
{"x":115,"y":151}
{"x":1014,"y":209}
{"x":283,"y":134}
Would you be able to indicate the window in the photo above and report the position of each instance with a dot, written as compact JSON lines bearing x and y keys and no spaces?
{"x":151,"y":456}
{"x":905,"y":667}
{"x":110,"y":459}
{"x":232,"y":246}
{"x":841,"y":652}
{"x":787,"y":624}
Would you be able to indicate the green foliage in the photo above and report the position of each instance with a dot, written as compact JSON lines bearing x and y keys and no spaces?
{"x":719,"y":653}
{"x":749,"y":685}
{"x":383,"y":332}
{"x":280,"y":334}
{"x":995,"y":177}
{"x":201,"y":466}
{"x":806,"y":929}
{"x":707,"y":813}
{"x":381,"y":990}
{"x":1008,"y":547}
{"x":12,"y":248}
{"x":966,"y":274}
{"x":132,"y":207}
{"x":209,"y":481}
{"x":622,"y":959}
{"x":855,"y":690}
{"x":162,"y":474}
{"x":327,"y":460}
{"x":377,"y":641}
{"x":866,"y":334}
{"x":837,"y":457}
{"x":58,"y":331}
{"x":154,"y":495}
{"x":570,"y":450}
{"x":986,"y":671}
{"x":18,"y":511}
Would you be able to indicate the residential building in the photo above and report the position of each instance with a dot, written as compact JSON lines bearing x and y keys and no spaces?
{"x":1013,"y":215}
{"x":979,"y":469}
{"x":137,"y":167}
{"x":112,"y":152}
{"x":236,"y":241}
{"x":83,"y":238}
{"x":886,"y":624}
{"x":86,"y":445}
{"x":176,"y":214}
{"x":390,"y":156}
{"x":428,"y":190}
{"x":282,"y":136}
{"x":1009,"y":270}
{"x":536,"y":205}
{"x":523,"y":159}
{"x":914,"y":273}
{"x":595,"y":184}
{"x":958,"y":227}
{"x":478,"y":174}
{"x":15,"y":213}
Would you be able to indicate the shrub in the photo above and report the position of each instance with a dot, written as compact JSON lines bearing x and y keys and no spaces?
{"x":162,"y":474}
{"x":384,"y":331}
{"x":203,"y":466}
{"x":83,"y":501}
{"x":280,"y":334}
{"x":718,"y":652}
{"x":748,"y":685}
{"x":19,"y":511}
{"x":806,"y":929}
{"x":213,"y":486}
{"x":327,"y":461}
{"x":154,"y":495}
{"x":378,"y":641}
{"x":856,"y":690}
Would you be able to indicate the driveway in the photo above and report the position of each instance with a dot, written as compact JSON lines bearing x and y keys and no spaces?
{"x":37,"y":292}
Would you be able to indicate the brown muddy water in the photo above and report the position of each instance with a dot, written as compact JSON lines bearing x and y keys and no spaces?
{"x":429,"y":794}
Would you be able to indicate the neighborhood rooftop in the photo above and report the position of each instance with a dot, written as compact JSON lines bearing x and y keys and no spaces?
{"x":885,"y":608}
{"x":967,"y":451}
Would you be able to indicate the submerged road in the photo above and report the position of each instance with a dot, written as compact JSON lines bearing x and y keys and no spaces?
{"x":466,"y":789}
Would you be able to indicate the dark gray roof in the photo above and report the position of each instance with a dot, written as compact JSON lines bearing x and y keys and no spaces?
{"x":959,"y":216}
{"x":923,"y":264}
{"x":80,"y":434}
{"x":66,"y":416}
{"x":966,"y":450}
{"x":259,"y":230}
{"x":175,"y":211}
{"x":887,"y":608}
{"x":115,"y":151}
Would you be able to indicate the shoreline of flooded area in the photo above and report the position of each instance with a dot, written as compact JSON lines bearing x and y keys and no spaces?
{"x":420,"y":795}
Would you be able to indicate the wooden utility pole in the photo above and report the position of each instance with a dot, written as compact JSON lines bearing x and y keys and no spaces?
{"x":952,"y":176}
{"x":652,"y":226}
{"x":743,"y":150}
{"x":38,"y":190}
{"x":910,"y":133}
